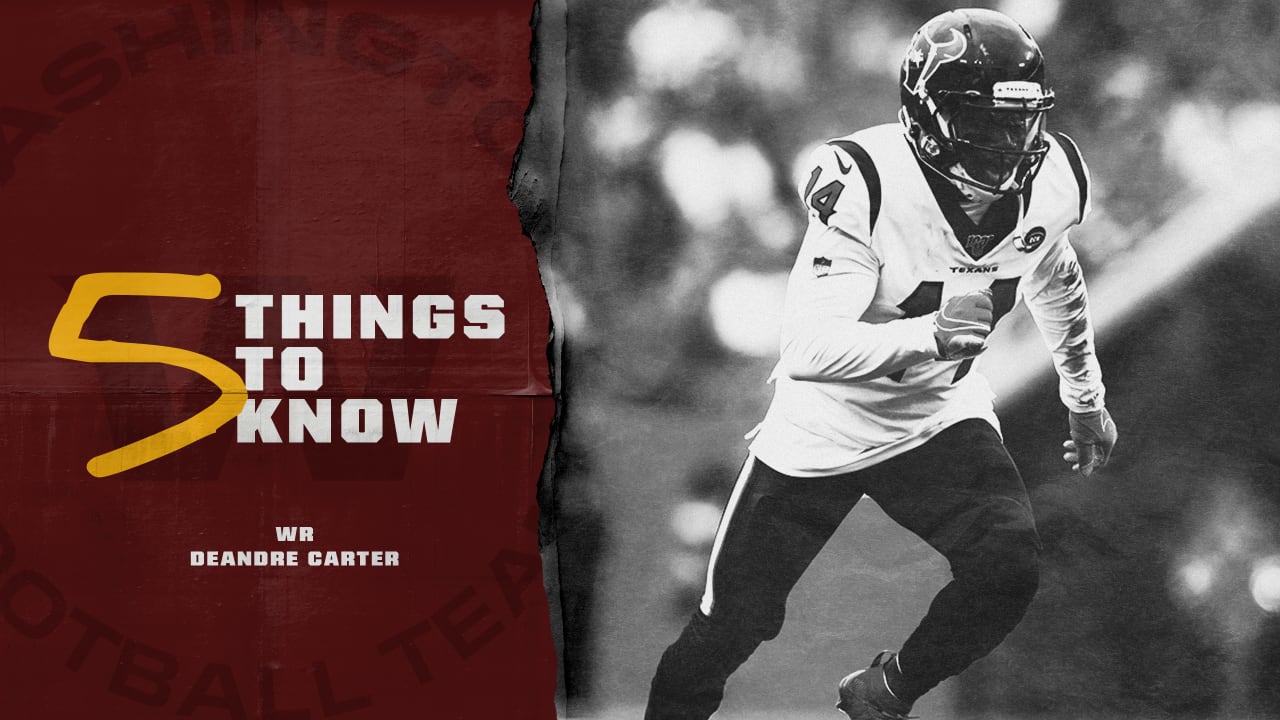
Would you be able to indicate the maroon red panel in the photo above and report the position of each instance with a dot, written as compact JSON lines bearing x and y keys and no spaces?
{"x":340,"y":170}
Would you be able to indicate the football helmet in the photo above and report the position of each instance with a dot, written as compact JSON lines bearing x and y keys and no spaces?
{"x":974,"y":99}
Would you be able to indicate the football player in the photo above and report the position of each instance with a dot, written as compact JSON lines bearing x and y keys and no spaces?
{"x":922,"y":235}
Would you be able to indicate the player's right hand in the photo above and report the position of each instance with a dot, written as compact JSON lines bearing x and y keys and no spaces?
{"x":962,"y":325}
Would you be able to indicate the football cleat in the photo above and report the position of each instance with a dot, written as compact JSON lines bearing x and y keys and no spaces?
{"x":865,"y":694}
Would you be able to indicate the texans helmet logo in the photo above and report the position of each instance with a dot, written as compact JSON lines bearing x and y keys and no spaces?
{"x":940,"y":53}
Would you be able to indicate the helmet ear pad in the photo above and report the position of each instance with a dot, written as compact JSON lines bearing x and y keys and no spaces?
{"x":932,"y":141}
{"x":929,"y":138}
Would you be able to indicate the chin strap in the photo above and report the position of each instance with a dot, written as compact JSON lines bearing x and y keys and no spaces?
{"x":970,"y":192}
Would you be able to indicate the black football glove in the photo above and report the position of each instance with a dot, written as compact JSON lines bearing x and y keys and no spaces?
{"x":1093,"y":436}
{"x":962,"y":325}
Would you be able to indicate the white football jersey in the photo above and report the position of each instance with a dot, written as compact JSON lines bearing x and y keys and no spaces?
{"x":859,"y":380}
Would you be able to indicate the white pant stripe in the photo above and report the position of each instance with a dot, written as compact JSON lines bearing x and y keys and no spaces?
{"x":708,"y":595}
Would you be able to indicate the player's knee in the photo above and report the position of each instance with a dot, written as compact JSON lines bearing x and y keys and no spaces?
{"x":754,"y":624}
{"x":762,"y":625}
{"x":768,"y":626}
{"x":1008,"y":566}
{"x":1014,"y":571}
{"x":1021,"y":577}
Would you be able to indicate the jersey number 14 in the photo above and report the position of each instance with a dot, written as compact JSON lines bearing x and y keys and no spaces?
{"x":824,"y":200}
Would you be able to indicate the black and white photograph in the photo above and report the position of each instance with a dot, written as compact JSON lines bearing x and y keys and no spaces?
{"x":913,"y":359}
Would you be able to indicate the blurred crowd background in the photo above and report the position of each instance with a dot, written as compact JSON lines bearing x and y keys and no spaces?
{"x":677,"y":222}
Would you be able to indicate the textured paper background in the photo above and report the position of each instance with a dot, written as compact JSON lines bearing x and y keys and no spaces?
{"x":342,"y":148}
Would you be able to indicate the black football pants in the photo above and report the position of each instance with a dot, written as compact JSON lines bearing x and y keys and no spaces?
{"x":960,"y":492}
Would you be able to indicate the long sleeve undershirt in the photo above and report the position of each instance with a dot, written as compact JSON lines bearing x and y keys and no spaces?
{"x":1059,"y":303}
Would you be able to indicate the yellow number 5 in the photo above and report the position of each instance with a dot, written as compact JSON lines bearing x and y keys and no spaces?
{"x":65,"y":342}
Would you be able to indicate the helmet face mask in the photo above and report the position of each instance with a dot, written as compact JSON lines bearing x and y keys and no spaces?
{"x":998,"y":149}
{"x":974,"y":100}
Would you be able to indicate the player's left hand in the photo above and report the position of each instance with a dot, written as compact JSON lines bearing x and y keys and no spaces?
{"x":1093,"y":436}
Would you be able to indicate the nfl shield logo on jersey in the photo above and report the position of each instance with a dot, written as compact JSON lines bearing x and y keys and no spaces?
{"x":1031,"y":241}
{"x":821,"y":266}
